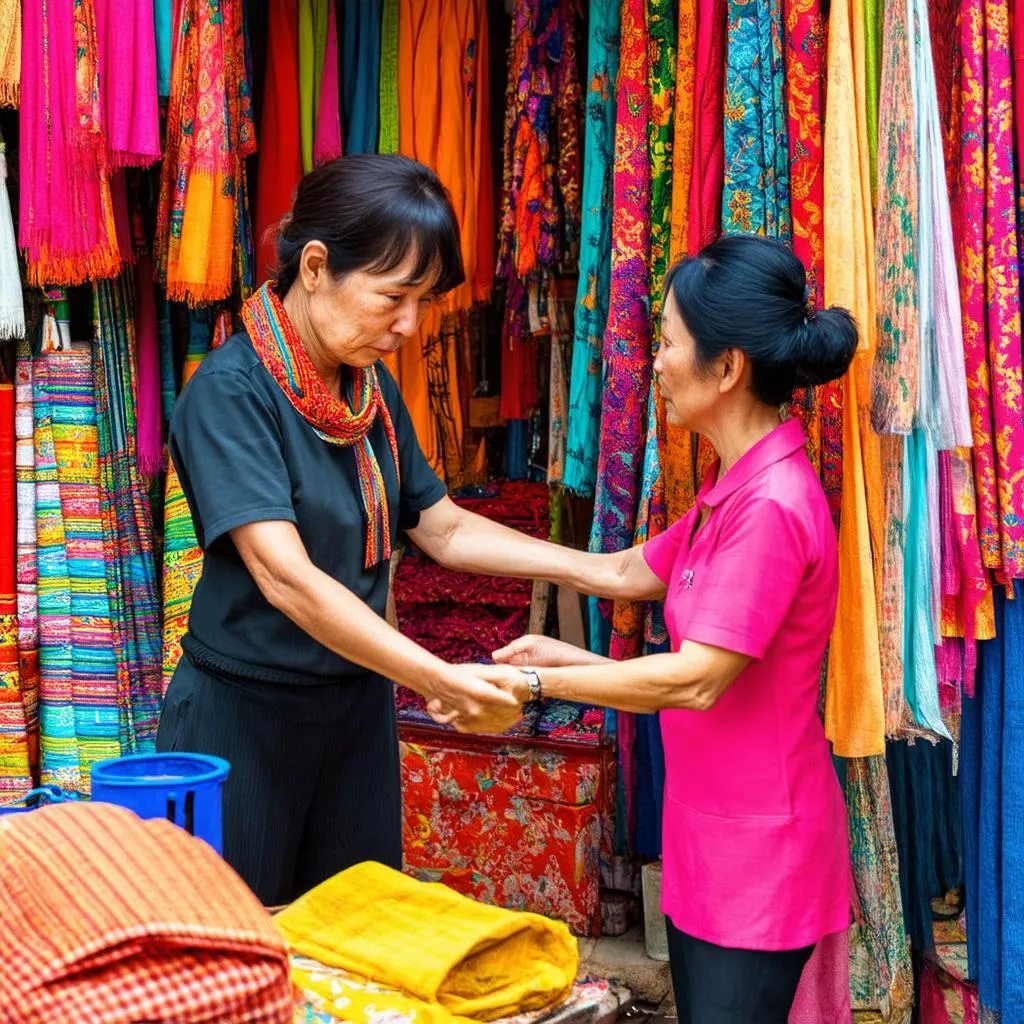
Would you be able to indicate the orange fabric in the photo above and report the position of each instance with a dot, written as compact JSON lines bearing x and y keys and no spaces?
{"x":106,"y":918}
{"x":443,"y":122}
{"x":854,"y":714}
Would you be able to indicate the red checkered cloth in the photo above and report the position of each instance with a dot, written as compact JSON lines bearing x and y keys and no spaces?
{"x":106,"y":919}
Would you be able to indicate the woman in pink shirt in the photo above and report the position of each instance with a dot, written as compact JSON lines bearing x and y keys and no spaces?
{"x":755,"y":853}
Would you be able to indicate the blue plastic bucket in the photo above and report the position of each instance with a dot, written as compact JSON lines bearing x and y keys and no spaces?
{"x":37,"y":798}
{"x":183,"y":788}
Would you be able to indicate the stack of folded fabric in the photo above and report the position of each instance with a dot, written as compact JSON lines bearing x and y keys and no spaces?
{"x":108,"y":919}
{"x":379,"y":945}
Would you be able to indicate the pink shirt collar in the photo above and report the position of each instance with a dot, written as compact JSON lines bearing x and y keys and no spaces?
{"x":783,"y":441}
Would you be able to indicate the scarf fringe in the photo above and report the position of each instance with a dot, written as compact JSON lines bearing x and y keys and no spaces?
{"x":73,"y":268}
{"x":119,"y":160}
{"x":12,"y":324}
{"x":195,"y":293}
{"x":10,"y":94}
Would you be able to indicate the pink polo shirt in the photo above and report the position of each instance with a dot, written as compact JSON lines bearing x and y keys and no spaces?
{"x":755,"y":849}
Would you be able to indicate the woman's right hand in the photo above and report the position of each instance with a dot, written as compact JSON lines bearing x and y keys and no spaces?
{"x":544,"y":652}
{"x":461,"y":696}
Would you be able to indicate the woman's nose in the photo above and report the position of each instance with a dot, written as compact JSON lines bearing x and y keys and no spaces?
{"x":407,"y":322}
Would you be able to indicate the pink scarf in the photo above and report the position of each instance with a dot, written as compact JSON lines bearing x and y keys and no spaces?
{"x":67,"y":222}
{"x":148,"y":425}
{"x":327,"y":141}
{"x":127,"y":50}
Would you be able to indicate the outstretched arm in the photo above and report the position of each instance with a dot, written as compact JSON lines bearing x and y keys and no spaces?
{"x":459,"y":539}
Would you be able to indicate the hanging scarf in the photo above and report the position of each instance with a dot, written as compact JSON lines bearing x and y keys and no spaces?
{"x":854,"y":713}
{"x":389,"y":22}
{"x":595,"y":250}
{"x":307,"y":82}
{"x":10,"y":53}
{"x":709,"y":142}
{"x":361,"y":75}
{"x":280,"y":163}
{"x":894,"y":393}
{"x":209,"y":134}
{"x":12,"y":302}
{"x":66,"y":219}
{"x":1002,"y":278}
{"x":327,"y":144}
{"x":149,"y":427}
{"x":874,"y":11}
{"x":128,"y":78}
{"x":805,"y":48}
{"x":163,"y":18}
{"x":755,"y":199}
{"x":345,"y":423}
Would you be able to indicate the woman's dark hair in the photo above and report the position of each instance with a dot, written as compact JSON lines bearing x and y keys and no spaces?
{"x":748,"y":292}
{"x":371,"y":211}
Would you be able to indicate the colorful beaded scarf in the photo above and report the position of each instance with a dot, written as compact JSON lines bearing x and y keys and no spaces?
{"x":346,"y":423}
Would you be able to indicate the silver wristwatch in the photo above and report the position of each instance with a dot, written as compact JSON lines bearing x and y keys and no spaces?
{"x":534,"y":681}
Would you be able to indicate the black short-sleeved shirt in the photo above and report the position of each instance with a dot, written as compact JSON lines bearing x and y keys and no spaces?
{"x":244,"y":454}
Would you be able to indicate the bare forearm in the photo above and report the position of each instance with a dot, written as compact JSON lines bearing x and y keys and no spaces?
{"x":334,"y":616}
{"x":475,"y":544}
{"x":690,"y":679}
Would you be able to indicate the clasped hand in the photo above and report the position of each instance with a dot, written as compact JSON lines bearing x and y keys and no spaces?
{"x":479,"y":698}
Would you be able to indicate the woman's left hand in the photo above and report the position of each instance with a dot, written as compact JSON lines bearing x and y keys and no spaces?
{"x":507,"y":678}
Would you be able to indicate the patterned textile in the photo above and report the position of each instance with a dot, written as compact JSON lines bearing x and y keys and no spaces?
{"x":561,"y":303}
{"x":130,"y":920}
{"x":182,"y":555}
{"x":343,"y":423}
{"x":200,"y":220}
{"x":27,"y":562}
{"x":95,"y":727}
{"x":585,"y":1004}
{"x":448,"y":954}
{"x":627,"y":340}
{"x":595,"y":250}
{"x":854,"y":713}
{"x":893,"y":600}
{"x":882,"y":975}
{"x":894,"y":393}
{"x":755,"y":199}
{"x":945,"y":997}
{"x":989,"y":280}
{"x":58,"y":746}
{"x":126,"y":516}
{"x":805,"y":51}
{"x":15,"y":777}
{"x":514,"y":825}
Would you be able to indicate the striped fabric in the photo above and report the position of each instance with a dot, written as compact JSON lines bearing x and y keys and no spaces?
{"x":27,"y":566}
{"x":130,"y":920}
{"x":126,"y":517}
{"x":58,"y":745}
{"x":14,"y":770}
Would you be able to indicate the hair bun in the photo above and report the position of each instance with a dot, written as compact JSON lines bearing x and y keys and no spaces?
{"x":827,"y":344}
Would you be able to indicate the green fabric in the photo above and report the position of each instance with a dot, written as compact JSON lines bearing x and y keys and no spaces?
{"x":872,"y":73}
{"x":388,"y":142}
{"x":321,"y":12}
{"x":307,"y":78}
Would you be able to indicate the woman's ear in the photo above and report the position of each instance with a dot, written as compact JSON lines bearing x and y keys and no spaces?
{"x":731,"y":369}
{"x":313,"y":265}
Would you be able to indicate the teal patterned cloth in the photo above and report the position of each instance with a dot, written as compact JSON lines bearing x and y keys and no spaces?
{"x":755,"y":198}
{"x":595,"y":249}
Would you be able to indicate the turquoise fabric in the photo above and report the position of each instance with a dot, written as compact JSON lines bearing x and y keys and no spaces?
{"x":163,"y":22}
{"x":584,"y":416}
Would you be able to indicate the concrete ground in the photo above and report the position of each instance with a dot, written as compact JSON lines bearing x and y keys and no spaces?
{"x":623,"y":959}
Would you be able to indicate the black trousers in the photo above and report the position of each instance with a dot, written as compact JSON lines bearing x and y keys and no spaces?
{"x":716,"y":985}
{"x":314,"y":785}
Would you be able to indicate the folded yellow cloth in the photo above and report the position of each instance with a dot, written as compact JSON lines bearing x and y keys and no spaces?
{"x":428,"y":942}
